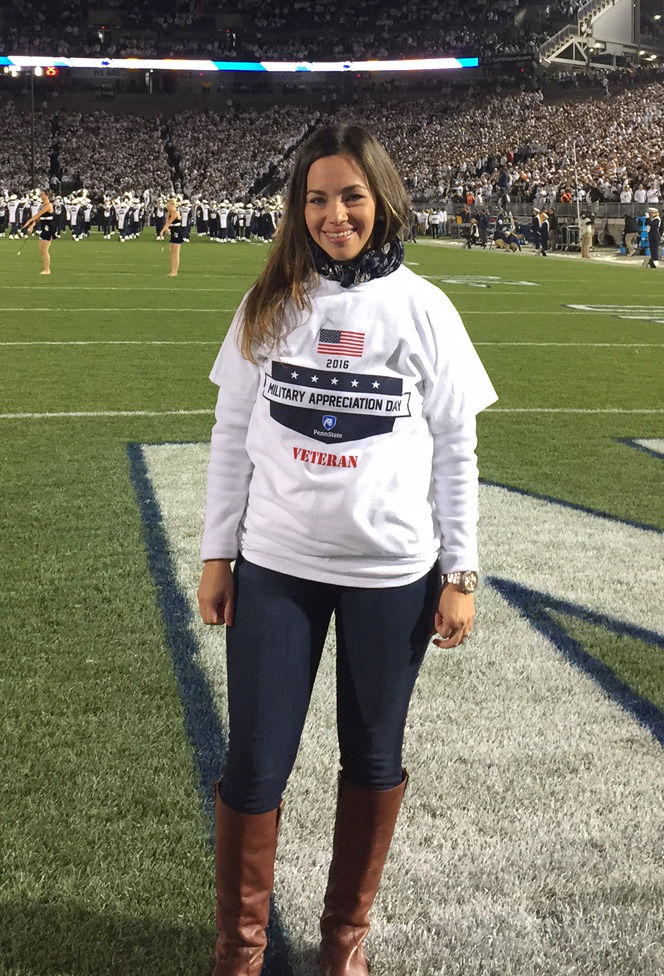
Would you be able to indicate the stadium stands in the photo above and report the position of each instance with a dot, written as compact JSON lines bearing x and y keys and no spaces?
{"x":454,"y":144}
{"x":229,"y":155}
{"x":298,"y":29}
{"x":509,"y":148}
{"x":16,"y":149}
{"x":107,"y":152}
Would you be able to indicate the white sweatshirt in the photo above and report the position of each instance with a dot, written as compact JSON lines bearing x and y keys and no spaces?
{"x":348,"y":455}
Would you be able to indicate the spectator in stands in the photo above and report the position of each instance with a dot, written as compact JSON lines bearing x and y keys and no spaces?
{"x":626,"y":193}
{"x":640,"y":194}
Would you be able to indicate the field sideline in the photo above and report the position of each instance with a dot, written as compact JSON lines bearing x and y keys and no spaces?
{"x":531,"y":839}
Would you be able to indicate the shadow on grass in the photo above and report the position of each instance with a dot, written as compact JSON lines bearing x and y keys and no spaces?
{"x":45,"y":938}
{"x":49,"y":939}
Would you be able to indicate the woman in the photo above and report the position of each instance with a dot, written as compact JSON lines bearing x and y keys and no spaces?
{"x":342,"y":479}
{"x":174,"y":225}
{"x":44,"y":217}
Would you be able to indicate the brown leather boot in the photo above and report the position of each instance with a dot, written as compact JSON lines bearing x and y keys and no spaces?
{"x":245,"y":848}
{"x":362,"y":836}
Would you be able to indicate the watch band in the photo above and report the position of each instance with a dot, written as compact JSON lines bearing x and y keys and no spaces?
{"x":465,"y":580}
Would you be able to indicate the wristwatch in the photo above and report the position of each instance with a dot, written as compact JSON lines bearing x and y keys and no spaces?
{"x":465,"y":582}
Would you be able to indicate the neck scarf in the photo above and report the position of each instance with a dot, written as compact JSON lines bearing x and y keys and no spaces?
{"x":368,"y":265}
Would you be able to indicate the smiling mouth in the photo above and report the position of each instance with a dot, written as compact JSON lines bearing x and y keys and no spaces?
{"x":339,"y":236}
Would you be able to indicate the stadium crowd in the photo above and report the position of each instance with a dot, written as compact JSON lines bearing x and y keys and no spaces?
{"x":109,"y":153}
{"x":462,"y":146}
{"x":372,"y":29}
{"x":285,"y":29}
{"x":479,"y":147}
{"x":228,"y":154}
{"x":16,"y":149}
{"x":297,"y":29}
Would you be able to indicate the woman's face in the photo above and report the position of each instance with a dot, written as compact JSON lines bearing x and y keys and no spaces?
{"x":340,"y":208}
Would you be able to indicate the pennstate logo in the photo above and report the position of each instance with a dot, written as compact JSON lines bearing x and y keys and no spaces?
{"x":367,"y":404}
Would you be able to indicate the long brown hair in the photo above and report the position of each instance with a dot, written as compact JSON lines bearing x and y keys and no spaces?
{"x":290,"y":266}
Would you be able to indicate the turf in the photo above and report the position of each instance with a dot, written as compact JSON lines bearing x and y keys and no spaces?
{"x":634,"y":661}
{"x":105,"y":864}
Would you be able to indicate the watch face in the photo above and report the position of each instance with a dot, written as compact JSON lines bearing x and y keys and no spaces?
{"x":469,"y":582}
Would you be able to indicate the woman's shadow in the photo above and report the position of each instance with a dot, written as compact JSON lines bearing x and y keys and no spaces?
{"x":43,"y":938}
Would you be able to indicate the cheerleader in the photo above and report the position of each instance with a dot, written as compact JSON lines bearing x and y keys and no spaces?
{"x":174,"y":226}
{"x":44,"y":217}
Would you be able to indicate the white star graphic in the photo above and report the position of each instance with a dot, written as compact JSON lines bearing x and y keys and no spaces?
{"x":354,"y":383}
{"x":314,"y":378}
{"x":375,"y":384}
{"x":334,"y":381}
{"x":294,"y":375}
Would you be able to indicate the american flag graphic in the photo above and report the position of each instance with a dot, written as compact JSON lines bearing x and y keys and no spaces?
{"x":339,"y":342}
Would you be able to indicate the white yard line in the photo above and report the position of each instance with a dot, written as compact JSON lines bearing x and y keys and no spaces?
{"x":215,"y":342}
{"x":451,"y":286}
{"x":169,"y":413}
{"x":104,"y":413}
{"x":564,"y":312}
{"x":593,"y":345}
{"x":603,"y":410}
{"x":113,"y":342}
{"x":509,"y":311}
{"x":98,"y":308}
{"x":50,"y":287}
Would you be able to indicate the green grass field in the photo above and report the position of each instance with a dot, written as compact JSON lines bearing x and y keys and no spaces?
{"x":105,"y":864}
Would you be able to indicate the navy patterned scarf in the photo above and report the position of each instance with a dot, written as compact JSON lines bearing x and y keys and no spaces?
{"x":367,"y":265}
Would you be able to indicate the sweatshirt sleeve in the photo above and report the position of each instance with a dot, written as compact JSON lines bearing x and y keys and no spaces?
{"x":456,"y":390}
{"x":455,"y":491}
{"x":229,"y":468}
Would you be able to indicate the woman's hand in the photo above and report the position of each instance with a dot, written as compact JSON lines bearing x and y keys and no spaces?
{"x":215,"y":592}
{"x":454,"y":619}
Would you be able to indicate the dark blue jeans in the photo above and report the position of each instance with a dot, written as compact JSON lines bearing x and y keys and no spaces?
{"x":273,"y":652}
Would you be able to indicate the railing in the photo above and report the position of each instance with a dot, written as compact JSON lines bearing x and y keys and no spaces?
{"x":586,"y":15}
{"x":587,"y":10}
{"x":554,"y":43}
{"x":523,"y":211}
